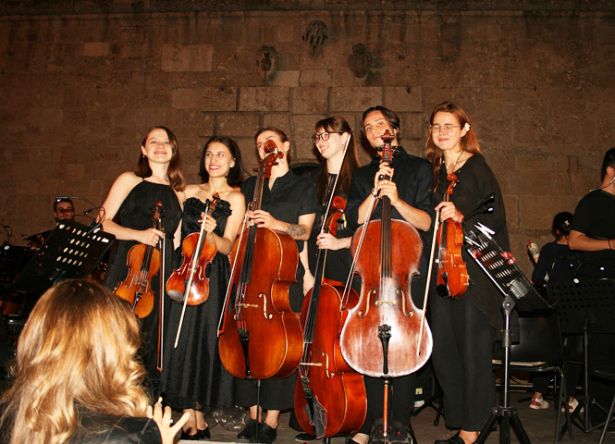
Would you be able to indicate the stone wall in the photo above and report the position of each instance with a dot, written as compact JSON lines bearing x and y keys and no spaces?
{"x":81,"y":81}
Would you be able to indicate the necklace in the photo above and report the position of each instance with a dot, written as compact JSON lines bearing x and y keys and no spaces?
{"x":452,"y":170}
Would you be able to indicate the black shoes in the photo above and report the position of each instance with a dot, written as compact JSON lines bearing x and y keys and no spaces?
{"x":198,"y":436}
{"x":249,"y":431}
{"x":266,"y":434}
{"x":304,"y":437}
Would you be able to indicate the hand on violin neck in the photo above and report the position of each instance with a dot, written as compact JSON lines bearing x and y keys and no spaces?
{"x":210,"y":223}
{"x":149,"y":236}
{"x":448,"y":210}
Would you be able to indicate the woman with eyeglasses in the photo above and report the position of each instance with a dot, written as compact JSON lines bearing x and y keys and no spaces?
{"x":464,"y":327}
{"x":128,"y":211}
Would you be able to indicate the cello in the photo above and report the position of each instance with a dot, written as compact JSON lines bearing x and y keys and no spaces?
{"x":330,"y":396}
{"x":259,"y":336}
{"x":452,"y":276}
{"x":143,"y":264}
{"x":381,"y":335}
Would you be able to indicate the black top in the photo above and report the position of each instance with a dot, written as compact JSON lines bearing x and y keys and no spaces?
{"x":558,"y":262}
{"x":291,"y":196}
{"x":337,"y":262}
{"x":414,"y":179}
{"x":595,"y":217}
{"x":475,"y":183}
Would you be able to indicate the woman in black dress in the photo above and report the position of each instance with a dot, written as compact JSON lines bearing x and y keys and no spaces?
{"x":128,"y":211}
{"x":464,"y":327}
{"x":193,"y":377}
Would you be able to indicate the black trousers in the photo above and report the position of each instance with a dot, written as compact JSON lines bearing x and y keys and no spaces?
{"x":463,"y":343}
{"x":275,"y":393}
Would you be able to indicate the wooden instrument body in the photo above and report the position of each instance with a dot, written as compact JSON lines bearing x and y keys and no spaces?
{"x":452,"y":278}
{"x":143,"y":263}
{"x":386,"y":300}
{"x":338,"y":389}
{"x":262,"y":308}
{"x":199,"y":290}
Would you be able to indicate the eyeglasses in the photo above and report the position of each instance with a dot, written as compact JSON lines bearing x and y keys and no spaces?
{"x":324,"y":136}
{"x":65,"y":210}
{"x":445,"y":128}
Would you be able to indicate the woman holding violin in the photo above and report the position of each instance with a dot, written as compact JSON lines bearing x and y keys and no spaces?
{"x":407,"y":182}
{"x":288,"y":206}
{"x":157,"y":182}
{"x":329,"y":140}
{"x":464,"y":320}
{"x":193,"y":378}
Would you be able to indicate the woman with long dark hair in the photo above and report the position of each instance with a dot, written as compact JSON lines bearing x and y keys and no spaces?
{"x":194,"y":379}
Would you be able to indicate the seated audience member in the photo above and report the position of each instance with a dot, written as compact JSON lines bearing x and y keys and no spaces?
{"x":76,"y":378}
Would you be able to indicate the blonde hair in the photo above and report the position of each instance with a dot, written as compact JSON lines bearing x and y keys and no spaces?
{"x":77,"y":350}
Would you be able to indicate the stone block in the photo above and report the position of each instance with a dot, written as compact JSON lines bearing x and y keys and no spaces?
{"x":355,"y":98}
{"x":96,"y":49}
{"x":264,"y":98}
{"x":45,"y":117}
{"x":285,"y":78}
{"x":190,"y":58}
{"x":315,"y":77}
{"x":237,"y":124}
{"x":277,"y":120}
{"x":303,"y":129}
{"x":310,"y":100}
{"x":403,"y":98}
{"x":412,"y":125}
{"x":221,"y":98}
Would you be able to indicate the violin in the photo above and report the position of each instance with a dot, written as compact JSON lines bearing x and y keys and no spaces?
{"x":337,"y":216}
{"x":143,"y":264}
{"x":259,"y":336}
{"x":452,"y":276}
{"x":189,"y":282}
{"x":384,"y":335}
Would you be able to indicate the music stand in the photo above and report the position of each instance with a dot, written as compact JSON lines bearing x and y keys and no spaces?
{"x":585,"y":307}
{"x":501,"y":268}
{"x":72,"y":250}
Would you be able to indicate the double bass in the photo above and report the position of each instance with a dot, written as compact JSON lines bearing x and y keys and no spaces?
{"x":330,"y":396}
{"x":143,"y":264}
{"x":259,"y":336}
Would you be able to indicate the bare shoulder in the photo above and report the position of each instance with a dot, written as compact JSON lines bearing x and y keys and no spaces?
{"x":236,"y":199}
{"x":191,"y":190}
{"x":127,"y":179}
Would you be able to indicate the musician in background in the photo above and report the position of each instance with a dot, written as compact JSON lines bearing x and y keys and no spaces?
{"x":409,"y":191}
{"x":556,"y":264}
{"x":193,"y":378}
{"x":63,"y":209}
{"x":128,"y":211}
{"x":289,"y":205}
{"x":593,"y":226}
{"x":464,"y":328}
{"x":593,"y":234}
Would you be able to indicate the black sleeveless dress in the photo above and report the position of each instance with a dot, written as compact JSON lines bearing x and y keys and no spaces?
{"x":136,"y":212}
{"x":193,"y":376}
